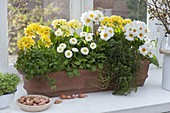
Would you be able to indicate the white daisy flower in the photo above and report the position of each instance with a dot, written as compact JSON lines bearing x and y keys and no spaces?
{"x":59,"y":32}
{"x":73,"y":41}
{"x":75,"y":50}
{"x":89,"y":37}
{"x":63,"y":45}
{"x":141,"y":35}
{"x":99,"y":14}
{"x":91,"y":15}
{"x":129,"y":36}
{"x":93,"y":45}
{"x":83,"y":34}
{"x":105,"y":35}
{"x":151,"y":45}
{"x":68,"y":54}
{"x":102,"y":28}
{"x":110,"y":30}
{"x":150,"y":54}
{"x":128,"y":27}
{"x":85,"y":20}
{"x":143,"y":50}
{"x":135,"y":31}
{"x":84,"y":50}
{"x":60,"y":49}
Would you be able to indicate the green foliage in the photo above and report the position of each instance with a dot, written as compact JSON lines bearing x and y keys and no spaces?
{"x":93,"y":61}
{"x":38,"y":62}
{"x":154,"y":60}
{"x":138,"y":11}
{"x":121,"y":66}
{"x":23,"y":12}
{"x":8,"y":83}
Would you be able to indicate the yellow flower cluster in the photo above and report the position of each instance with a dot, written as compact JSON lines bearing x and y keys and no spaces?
{"x":59,"y":22}
{"x":115,"y":21}
{"x":25,"y":42}
{"x":75,"y":24}
{"x":46,"y":41}
{"x":32,"y":31}
{"x":127,"y":21}
{"x":66,"y":27}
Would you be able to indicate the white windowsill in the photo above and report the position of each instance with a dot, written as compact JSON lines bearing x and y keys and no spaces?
{"x":149,"y":99}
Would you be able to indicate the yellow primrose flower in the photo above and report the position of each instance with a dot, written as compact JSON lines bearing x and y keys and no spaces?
{"x":106,"y":21}
{"x":127,"y":21}
{"x":75,"y":24}
{"x":25,"y":42}
{"x":35,"y":26}
{"x":46,"y":40}
{"x":117,"y":19}
{"x":29,"y":32}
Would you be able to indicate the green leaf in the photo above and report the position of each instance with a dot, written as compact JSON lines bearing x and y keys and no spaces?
{"x":69,"y":74}
{"x":100,"y":66}
{"x":154,"y":61}
{"x":77,"y":63}
{"x":81,"y":67}
{"x":87,"y":29}
{"x":88,"y":65}
{"x":76,"y":72}
{"x":93,"y":68}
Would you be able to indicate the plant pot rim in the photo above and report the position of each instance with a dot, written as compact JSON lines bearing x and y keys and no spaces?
{"x":9,"y":93}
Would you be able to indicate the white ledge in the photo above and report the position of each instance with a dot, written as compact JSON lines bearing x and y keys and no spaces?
{"x":149,"y":99}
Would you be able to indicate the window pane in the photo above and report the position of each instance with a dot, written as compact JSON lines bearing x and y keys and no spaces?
{"x":23,"y":12}
{"x":132,"y":9}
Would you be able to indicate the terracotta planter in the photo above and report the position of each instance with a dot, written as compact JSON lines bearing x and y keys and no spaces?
{"x":143,"y":72}
{"x":83,"y":84}
{"x":65,"y":85}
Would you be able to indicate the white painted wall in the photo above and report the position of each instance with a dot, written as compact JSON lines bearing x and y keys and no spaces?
{"x":3,"y":36}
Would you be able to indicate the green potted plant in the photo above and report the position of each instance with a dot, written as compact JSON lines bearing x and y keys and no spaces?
{"x":60,"y":55}
{"x":8,"y":87}
{"x":129,"y":54}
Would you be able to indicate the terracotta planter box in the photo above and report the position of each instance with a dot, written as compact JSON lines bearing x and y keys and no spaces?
{"x":83,"y":84}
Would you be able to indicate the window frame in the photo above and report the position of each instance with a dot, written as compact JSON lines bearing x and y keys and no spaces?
{"x":77,"y":7}
{"x":3,"y":36}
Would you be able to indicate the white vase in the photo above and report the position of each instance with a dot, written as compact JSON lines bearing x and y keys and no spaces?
{"x":6,"y":100}
{"x":166,"y":66}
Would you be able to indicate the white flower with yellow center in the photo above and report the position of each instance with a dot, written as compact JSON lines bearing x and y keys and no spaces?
{"x":129,"y":36}
{"x":105,"y":35}
{"x":91,"y":15}
{"x":84,"y":50}
{"x":93,"y":45}
{"x":128,"y":27}
{"x":60,"y":49}
{"x":89,"y":37}
{"x":102,"y":28}
{"x":83,"y":34}
{"x":75,"y":50}
{"x":73,"y":41}
{"x":59,"y":32}
{"x":110,"y":30}
{"x":63,"y":45}
{"x":141,"y":35}
{"x":85,"y":20}
{"x":68,"y":54}
{"x":150,"y":54}
{"x":143,"y":50}
{"x":99,"y":14}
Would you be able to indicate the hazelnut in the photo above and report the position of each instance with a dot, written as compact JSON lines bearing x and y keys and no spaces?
{"x":58,"y":101}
